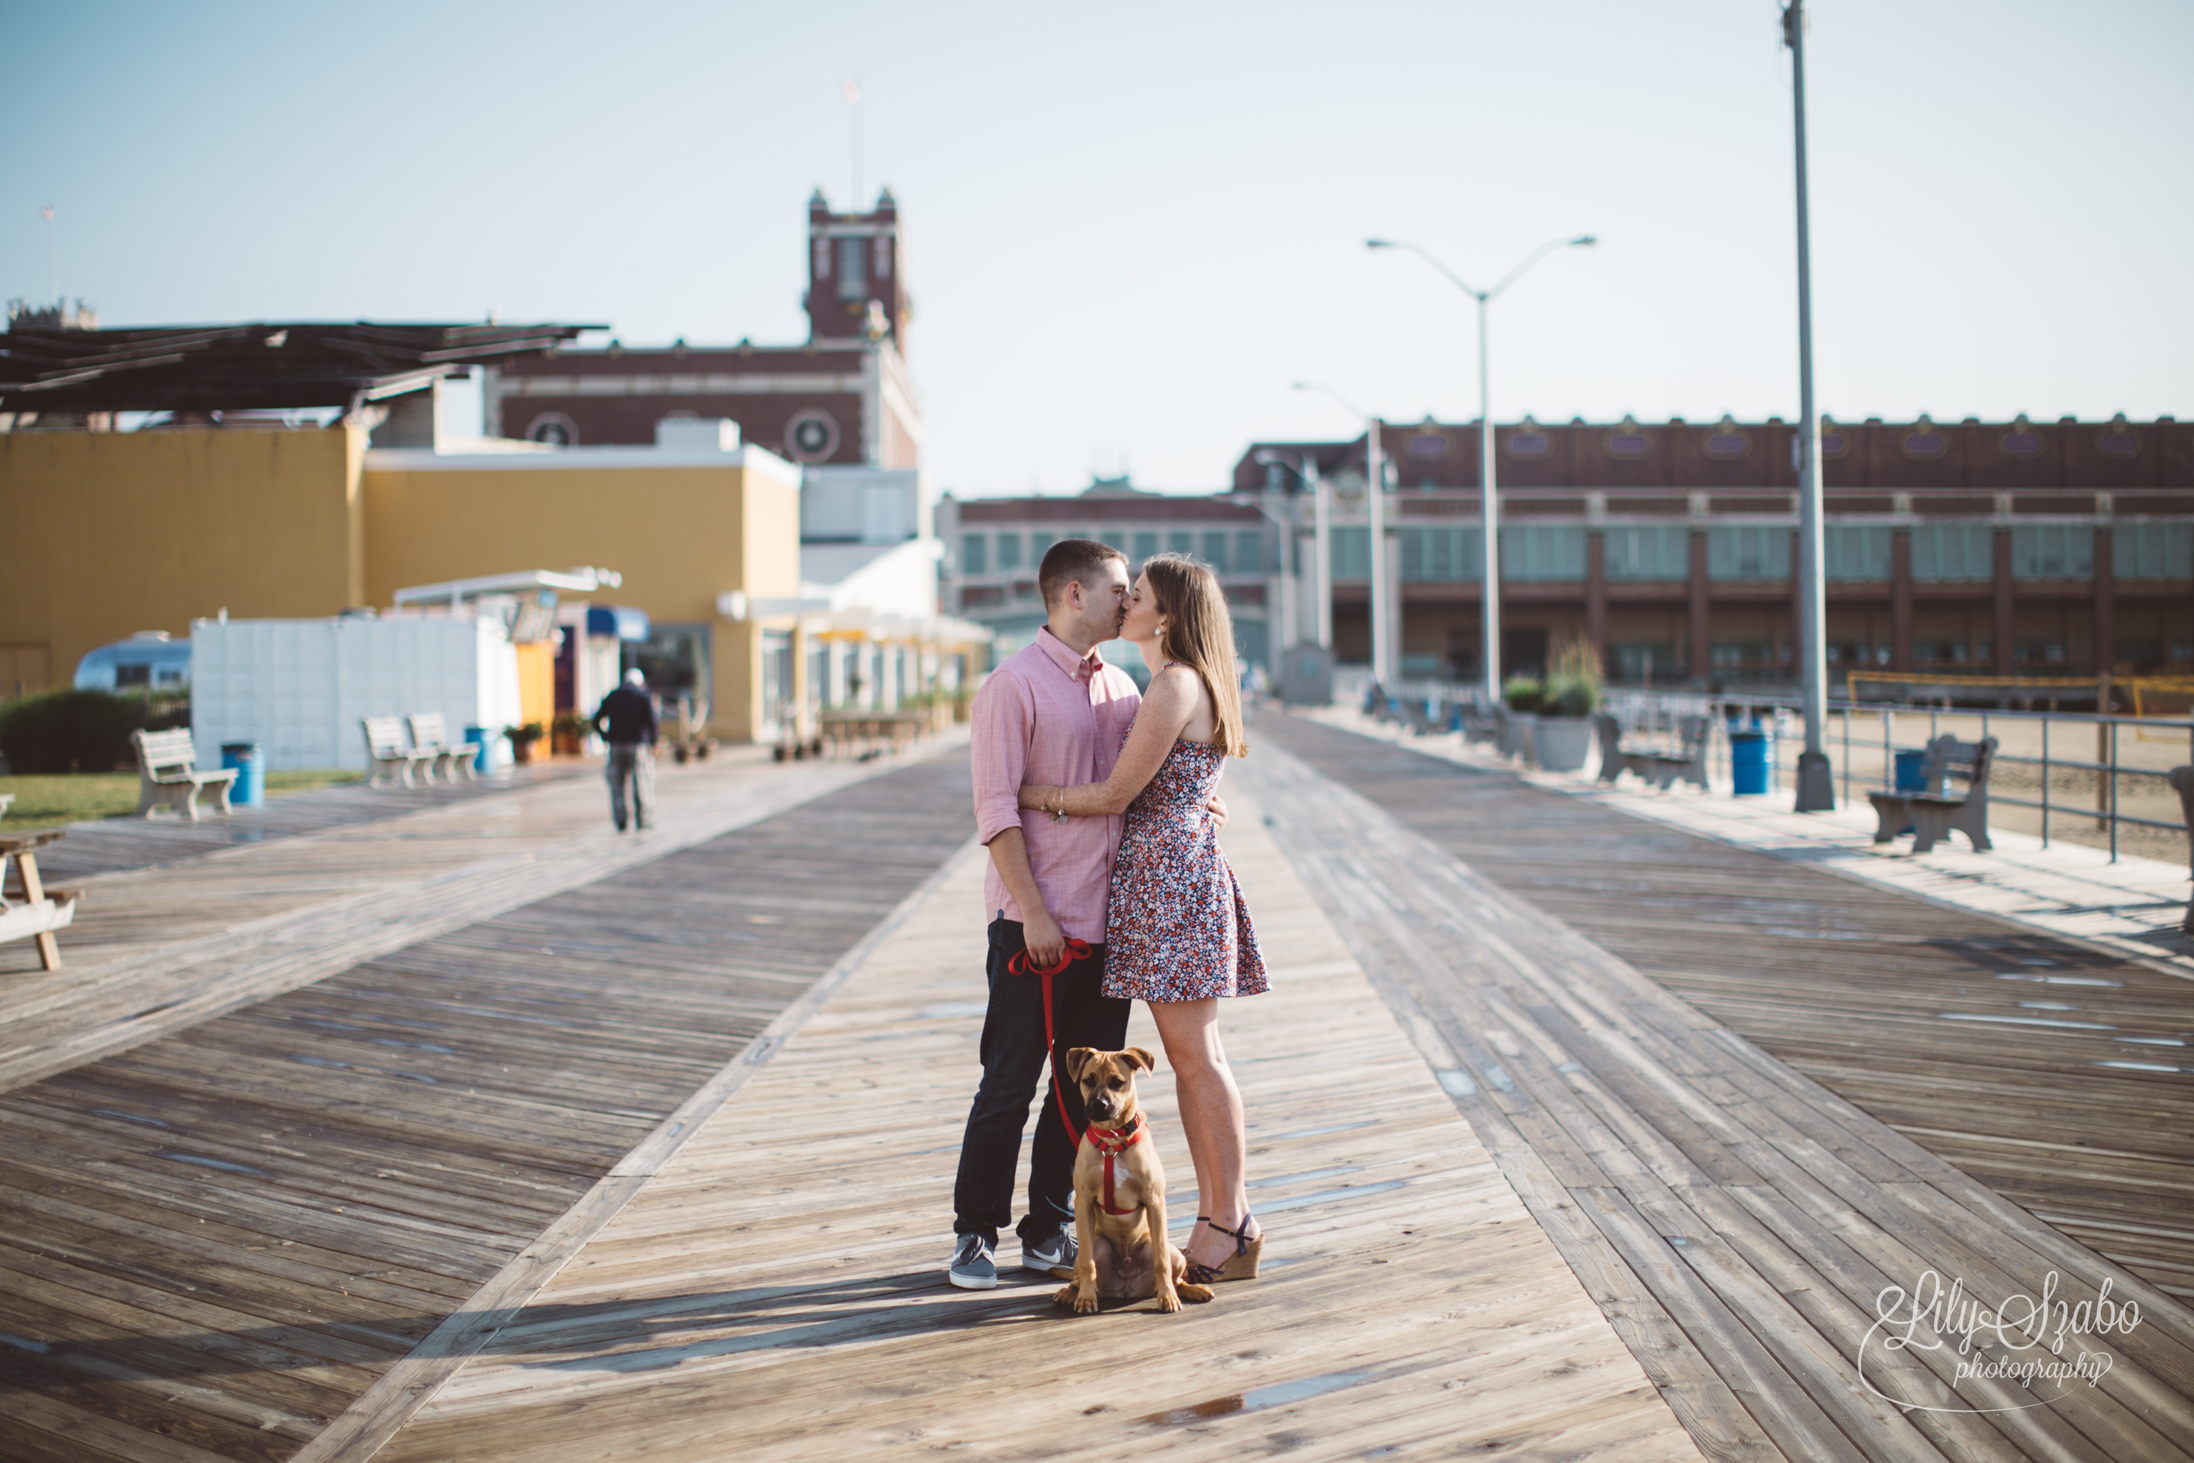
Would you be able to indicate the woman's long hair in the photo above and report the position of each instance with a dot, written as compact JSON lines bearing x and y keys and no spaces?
{"x":1199,"y":634}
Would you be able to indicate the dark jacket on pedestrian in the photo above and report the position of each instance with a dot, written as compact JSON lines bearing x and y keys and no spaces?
{"x":626,"y":716}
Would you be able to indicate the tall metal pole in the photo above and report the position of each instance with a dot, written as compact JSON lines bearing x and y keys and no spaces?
{"x":1816,"y":787}
{"x":1321,"y":521}
{"x":1489,"y":576}
{"x":1382,"y":632}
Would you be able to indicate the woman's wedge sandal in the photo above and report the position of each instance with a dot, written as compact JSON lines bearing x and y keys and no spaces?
{"x":1241,"y":1265}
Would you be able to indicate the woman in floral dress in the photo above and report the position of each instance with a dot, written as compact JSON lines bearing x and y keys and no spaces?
{"x":1177,"y":931}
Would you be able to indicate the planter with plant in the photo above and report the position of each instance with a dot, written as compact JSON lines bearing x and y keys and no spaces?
{"x":567,"y":734}
{"x":1520,"y":697}
{"x":1571,"y":696}
{"x":523,"y":739}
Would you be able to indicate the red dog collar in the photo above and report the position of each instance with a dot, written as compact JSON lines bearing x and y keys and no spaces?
{"x":1112,"y":1142}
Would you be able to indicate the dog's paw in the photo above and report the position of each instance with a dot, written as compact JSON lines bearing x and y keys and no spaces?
{"x":1168,"y":1301}
{"x":1192,"y":1292}
{"x":1063,"y":1297}
{"x":1086,"y":1303}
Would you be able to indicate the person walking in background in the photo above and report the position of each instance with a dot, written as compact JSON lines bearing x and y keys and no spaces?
{"x":626,"y":720}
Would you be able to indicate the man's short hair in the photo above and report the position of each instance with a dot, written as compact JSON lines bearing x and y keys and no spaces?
{"x":1075,"y":559}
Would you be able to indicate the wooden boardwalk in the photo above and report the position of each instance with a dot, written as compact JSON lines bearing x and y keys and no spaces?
{"x":1737,"y":1221}
{"x":154,"y":950}
{"x":2049,"y":1069}
{"x":777,"y":1294}
{"x":114,"y":845}
{"x":491,"y":1135}
{"x":216,"y":1241}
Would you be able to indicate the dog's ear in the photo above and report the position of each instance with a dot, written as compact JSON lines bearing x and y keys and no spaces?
{"x":1079,"y":1058}
{"x":1137,"y":1057}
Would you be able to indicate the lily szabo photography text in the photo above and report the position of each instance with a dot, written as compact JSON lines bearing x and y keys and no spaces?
{"x":2038,"y":1343}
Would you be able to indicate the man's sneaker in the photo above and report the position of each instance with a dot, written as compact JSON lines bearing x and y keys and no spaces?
{"x":1055,"y":1255}
{"x":972,"y":1266}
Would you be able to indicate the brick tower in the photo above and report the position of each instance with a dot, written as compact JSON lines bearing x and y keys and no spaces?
{"x":856,"y":274}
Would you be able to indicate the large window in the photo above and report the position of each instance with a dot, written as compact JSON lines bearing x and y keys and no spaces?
{"x":2152,"y":550}
{"x":1146,"y":546}
{"x":2053,"y":551}
{"x":1038,"y":545}
{"x":974,"y":553}
{"x":1748,"y":553}
{"x":1180,"y":541}
{"x":1249,"y":552}
{"x":1351,"y":551}
{"x":1009,"y":552}
{"x":1855,"y":552}
{"x":1543,"y":554}
{"x":1215,"y":550}
{"x":852,"y":269}
{"x":1660,"y":553}
{"x":1442,"y":555}
{"x":1949,"y":553}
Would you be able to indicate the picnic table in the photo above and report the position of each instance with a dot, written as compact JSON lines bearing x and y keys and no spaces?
{"x":36,"y":911}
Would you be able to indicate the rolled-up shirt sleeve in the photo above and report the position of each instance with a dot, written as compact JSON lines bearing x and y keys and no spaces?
{"x":999,"y":725}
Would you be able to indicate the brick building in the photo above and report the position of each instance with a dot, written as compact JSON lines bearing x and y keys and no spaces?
{"x":993,"y":546}
{"x":2004,"y":548}
{"x":844,"y":398}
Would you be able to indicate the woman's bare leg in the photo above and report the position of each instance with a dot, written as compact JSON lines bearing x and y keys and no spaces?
{"x":1211,"y":1117}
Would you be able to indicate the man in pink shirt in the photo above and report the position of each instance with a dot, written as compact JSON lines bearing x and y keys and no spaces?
{"x":1053,"y":712}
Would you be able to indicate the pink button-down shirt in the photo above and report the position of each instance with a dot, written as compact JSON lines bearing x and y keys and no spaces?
{"x":1044,"y":716}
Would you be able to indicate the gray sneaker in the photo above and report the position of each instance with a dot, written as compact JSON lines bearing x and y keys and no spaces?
{"x":972,"y":1266}
{"x":1055,"y":1255}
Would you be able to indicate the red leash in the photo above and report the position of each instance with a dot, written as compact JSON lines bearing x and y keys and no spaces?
{"x":1109,"y":1143}
{"x":1018,"y":965}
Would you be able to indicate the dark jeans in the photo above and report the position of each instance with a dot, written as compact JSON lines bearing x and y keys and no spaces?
{"x":1013,"y":1065}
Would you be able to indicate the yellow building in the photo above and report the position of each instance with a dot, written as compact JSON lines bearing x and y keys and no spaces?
{"x":103,"y":534}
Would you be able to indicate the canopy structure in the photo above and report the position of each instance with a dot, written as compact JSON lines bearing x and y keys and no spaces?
{"x":268,"y":366}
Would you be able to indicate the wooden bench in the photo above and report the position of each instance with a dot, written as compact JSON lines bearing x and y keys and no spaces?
{"x":2182,"y":781}
{"x":390,"y":757}
{"x":37,"y":911}
{"x":1665,"y":769}
{"x":1934,"y":815}
{"x":1615,"y":758}
{"x":430,"y":734}
{"x":166,"y":774}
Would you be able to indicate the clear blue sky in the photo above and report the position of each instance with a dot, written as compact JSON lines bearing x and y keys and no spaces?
{"x":1131,"y":227}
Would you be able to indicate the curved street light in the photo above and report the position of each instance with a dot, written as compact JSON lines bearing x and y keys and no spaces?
{"x":1382,"y":636}
{"x":1489,"y":584}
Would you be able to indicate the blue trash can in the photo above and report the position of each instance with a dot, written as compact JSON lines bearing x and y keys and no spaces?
{"x":478,"y":736}
{"x":1748,"y":762}
{"x":1912,"y":771}
{"x":250,"y":788}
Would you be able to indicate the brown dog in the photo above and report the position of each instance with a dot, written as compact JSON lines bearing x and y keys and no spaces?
{"x":1120,"y":1193}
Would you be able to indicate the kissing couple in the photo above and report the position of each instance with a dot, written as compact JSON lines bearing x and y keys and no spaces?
{"x":1100,"y":811}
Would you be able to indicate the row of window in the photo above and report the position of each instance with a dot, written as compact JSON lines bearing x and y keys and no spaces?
{"x":1243,"y":551}
{"x":1942,"y":553}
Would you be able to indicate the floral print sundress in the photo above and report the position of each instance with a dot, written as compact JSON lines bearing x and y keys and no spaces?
{"x":1176,"y":925}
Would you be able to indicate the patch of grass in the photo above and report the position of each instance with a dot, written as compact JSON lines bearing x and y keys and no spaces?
{"x":73,"y":797}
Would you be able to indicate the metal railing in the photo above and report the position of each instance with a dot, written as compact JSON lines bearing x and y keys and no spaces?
{"x":2121,"y":794}
{"x":1863,"y":758}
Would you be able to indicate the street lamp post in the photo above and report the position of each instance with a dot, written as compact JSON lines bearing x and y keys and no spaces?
{"x":1382,"y":629}
{"x":1489,"y":584}
{"x":1816,"y":787}
{"x":1293,"y":588}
